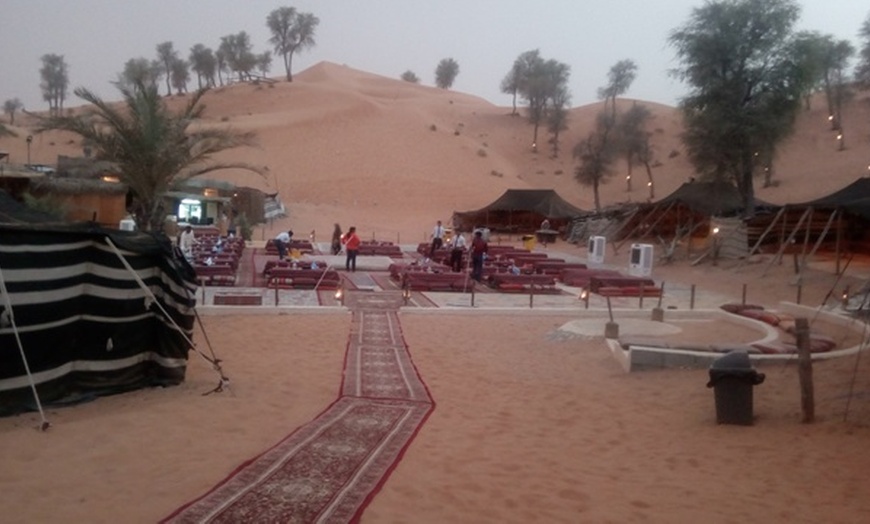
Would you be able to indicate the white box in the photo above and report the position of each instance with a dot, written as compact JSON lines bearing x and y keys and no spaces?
{"x":641,"y":260}
{"x":595,"y":250}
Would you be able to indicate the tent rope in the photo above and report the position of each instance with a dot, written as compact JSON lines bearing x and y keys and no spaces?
{"x":45,"y":424}
{"x":215,"y":362}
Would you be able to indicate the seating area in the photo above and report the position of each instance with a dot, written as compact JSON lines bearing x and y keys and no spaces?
{"x":623,"y":286}
{"x":428,"y":277}
{"x":818,"y":343}
{"x":511,"y":283}
{"x":377,"y":248}
{"x":304,"y":247}
{"x":299,"y":278}
{"x":216,"y":259}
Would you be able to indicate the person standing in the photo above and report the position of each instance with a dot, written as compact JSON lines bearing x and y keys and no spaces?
{"x":336,"y":240}
{"x":458,"y":248}
{"x":479,"y":248}
{"x":282,"y":242}
{"x":186,"y":241}
{"x":351,"y":244}
{"x":437,"y":239}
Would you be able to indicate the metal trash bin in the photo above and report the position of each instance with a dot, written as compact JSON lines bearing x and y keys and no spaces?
{"x":732,"y":378}
{"x":529,"y":242}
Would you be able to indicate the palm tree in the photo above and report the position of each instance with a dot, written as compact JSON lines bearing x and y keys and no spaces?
{"x":153,"y":148}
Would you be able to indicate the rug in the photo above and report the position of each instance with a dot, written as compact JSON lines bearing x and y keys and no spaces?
{"x":329,"y":469}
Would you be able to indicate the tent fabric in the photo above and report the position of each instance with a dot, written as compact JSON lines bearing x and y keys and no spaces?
{"x":86,"y":326}
{"x":854,"y":198}
{"x":529,"y":205}
{"x":710,"y":198}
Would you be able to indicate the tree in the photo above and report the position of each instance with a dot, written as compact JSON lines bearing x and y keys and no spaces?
{"x":264,"y":63}
{"x":862,"y":70}
{"x":204,"y":64}
{"x":510,"y":84}
{"x":557,"y":116}
{"x":540,"y":82}
{"x":55,"y":82}
{"x":236,"y":52}
{"x":836,"y":60}
{"x":410,"y":76}
{"x":10,"y":107}
{"x":139,"y":71}
{"x":620,"y":78}
{"x":291,"y":32}
{"x":745,"y":85}
{"x":167,"y":55}
{"x":596,"y":154}
{"x":446,"y":72}
{"x":180,"y":74}
{"x":633,"y":142}
{"x":153,"y":148}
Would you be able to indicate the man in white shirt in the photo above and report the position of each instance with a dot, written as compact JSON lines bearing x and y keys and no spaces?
{"x":282,"y":242}
{"x":458,"y":248}
{"x":437,"y":239}
{"x":186,"y":241}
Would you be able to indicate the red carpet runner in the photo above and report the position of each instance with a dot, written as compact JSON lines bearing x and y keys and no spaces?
{"x":329,"y":469}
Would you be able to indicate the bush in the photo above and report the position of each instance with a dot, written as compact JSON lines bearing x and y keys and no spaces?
{"x":244,"y":226}
{"x":481,"y":152}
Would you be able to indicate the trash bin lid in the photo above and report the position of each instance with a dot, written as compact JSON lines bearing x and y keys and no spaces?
{"x":733,"y":360}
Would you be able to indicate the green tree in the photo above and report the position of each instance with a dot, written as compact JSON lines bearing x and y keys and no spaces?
{"x":264,"y":63}
{"x":12,"y":106}
{"x":634,"y":144}
{"x":862,"y":70}
{"x":510,"y":84}
{"x":410,"y":76}
{"x":179,"y":72}
{"x":139,"y":71}
{"x":291,"y":32}
{"x":619,"y":80}
{"x":204,"y":64}
{"x":745,"y":85}
{"x":446,"y":72}
{"x":236,"y":52}
{"x":539,"y":83}
{"x":167,"y":55}
{"x":55,"y":82}
{"x":153,"y":148}
{"x":596,"y":154}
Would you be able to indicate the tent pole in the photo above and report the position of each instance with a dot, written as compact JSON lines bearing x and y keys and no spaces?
{"x":788,"y":240}
{"x":837,"y":248}
{"x":763,"y":235}
{"x":8,"y":304}
{"x":153,"y":299}
{"x":818,"y":243}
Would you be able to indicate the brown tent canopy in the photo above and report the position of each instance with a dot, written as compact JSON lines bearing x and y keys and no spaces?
{"x":519,"y":210}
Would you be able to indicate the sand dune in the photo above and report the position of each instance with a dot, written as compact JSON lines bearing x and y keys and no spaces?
{"x":528,"y":427}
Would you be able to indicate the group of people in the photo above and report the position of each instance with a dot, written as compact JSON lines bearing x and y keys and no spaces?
{"x":458,"y":247}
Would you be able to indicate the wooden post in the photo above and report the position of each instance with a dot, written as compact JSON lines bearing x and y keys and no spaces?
{"x":805,"y":370}
{"x":640,"y":302}
{"x":799,"y":289}
{"x":531,"y":296}
{"x":276,"y":295}
{"x":692,"y":298}
{"x":744,"y":295}
{"x":472,"y":293}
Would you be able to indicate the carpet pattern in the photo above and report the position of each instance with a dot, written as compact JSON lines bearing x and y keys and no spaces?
{"x":329,"y":469}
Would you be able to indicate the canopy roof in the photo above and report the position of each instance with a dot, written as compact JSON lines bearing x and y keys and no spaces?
{"x":854,"y":198}
{"x":519,"y":209}
{"x":545,"y":202}
{"x":710,"y":198}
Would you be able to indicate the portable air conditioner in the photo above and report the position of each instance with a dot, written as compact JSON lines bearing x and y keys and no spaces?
{"x":128,"y":224}
{"x":641,"y":260}
{"x":595,"y":251}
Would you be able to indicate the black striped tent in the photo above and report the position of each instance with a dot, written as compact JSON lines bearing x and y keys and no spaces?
{"x":93,"y":311}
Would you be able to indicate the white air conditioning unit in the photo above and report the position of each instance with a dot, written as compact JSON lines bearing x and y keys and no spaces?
{"x":128,"y":224}
{"x":641,"y":260}
{"x":595,"y":251}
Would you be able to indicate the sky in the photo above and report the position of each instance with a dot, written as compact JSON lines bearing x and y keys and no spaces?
{"x":385,"y":37}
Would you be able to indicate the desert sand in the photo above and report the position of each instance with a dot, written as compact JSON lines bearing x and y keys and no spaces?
{"x":529,"y":425}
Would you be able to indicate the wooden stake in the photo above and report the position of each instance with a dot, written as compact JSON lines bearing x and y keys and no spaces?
{"x":805,"y":370}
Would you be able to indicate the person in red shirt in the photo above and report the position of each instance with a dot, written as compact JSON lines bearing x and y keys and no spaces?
{"x":479,"y":248}
{"x":351,"y":244}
